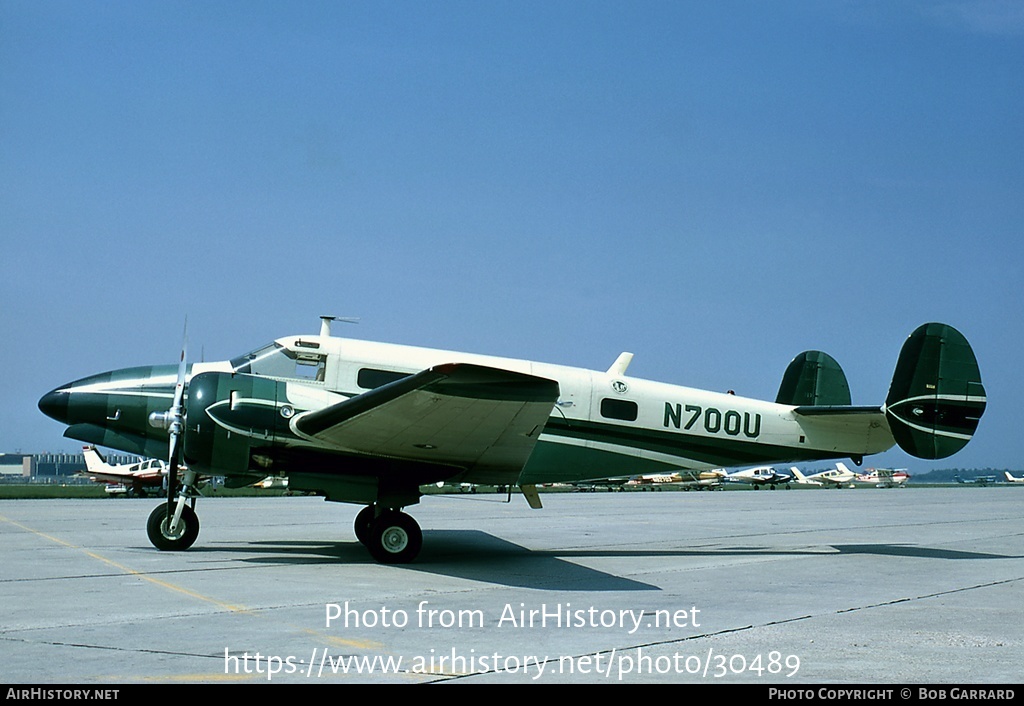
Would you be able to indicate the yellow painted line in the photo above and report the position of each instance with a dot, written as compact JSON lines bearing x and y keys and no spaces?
{"x":360,"y":644}
{"x":208,"y":677}
{"x":128,"y":570}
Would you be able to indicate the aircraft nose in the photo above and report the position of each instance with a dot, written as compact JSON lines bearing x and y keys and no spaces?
{"x":54,"y":404}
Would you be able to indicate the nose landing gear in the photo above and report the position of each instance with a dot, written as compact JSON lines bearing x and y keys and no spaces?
{"x":181,"y":537}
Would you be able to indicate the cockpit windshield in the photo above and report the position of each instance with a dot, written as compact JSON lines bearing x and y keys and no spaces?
{"x":274,"y":360}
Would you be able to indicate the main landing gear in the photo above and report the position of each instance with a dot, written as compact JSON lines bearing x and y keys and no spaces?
{"x":392,"y":537}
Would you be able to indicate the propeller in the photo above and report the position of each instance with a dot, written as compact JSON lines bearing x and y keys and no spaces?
{"x":177,"y":425}
{"x":173,"y":420}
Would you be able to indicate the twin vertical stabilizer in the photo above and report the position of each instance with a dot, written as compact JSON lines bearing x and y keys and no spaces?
{"x":935,"y":401}
{"x":936,"y":398}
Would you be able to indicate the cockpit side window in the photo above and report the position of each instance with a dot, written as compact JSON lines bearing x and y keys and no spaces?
{"x":310,"y":366}
{"x":276,"y":361}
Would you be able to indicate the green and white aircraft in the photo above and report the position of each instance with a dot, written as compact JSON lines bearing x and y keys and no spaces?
{"x":370,"y":423}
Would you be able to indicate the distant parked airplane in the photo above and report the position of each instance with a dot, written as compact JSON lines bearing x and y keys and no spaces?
{"x":978,"y":480}
{"x":837,"y":477}
{"x":136,"y":478}
{"x":884,"y":477}
{"x":758,"y":477}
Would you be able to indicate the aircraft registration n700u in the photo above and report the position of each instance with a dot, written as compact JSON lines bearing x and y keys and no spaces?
{"x":370,"y":423}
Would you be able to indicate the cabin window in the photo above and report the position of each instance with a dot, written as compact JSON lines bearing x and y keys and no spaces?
{"x":370,"y":378}
{"x":619,"y":409}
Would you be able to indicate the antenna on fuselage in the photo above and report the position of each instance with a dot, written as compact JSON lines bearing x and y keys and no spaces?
{"x":621,"y":363}
{"x":325,"y":322}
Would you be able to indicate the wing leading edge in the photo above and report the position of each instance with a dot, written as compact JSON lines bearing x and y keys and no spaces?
{"x":484,"y":420}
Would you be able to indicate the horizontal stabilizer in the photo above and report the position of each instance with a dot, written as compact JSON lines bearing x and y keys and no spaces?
{"x":936,"y":398}
{"x":814,"y":378}
{"x":836,"y":411}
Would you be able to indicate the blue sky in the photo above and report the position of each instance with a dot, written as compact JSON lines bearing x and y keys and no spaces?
{"x":712,"y":186}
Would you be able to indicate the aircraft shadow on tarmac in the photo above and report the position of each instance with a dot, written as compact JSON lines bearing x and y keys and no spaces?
{"x":910,"y":550}
{"x":479,"y":556}
{"x":469,"y":554}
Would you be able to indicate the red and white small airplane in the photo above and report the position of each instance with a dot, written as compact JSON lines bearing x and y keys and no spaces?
{"x":885,"y":477}
{"x":131,"y":478}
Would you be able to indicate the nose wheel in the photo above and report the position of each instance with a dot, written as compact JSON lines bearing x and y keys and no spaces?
{"x":185,"y":532}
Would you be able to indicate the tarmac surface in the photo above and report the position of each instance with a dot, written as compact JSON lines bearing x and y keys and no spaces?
{"x":853,"y":586}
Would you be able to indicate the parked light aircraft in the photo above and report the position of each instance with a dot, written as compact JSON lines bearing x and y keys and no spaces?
{"x":686,"y":480}
{"x":1012,"y":478}
{"x":608,"y":483}
{"x":137,"y":478}
{"x":837,"y":477}
{"x":884,"y":477}
{"x":759,"y":477}
{"x":370,"y":423}
{"x":703,"y":480}
{"x":977,"y":480}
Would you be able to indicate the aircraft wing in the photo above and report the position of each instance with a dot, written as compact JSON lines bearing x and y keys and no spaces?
{"x":485,"y":420}
{"x":113,"y":476}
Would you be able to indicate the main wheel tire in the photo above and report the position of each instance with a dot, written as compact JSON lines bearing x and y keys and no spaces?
{"x":163,"y":539}
{"x":364,"y":523}
{"x":395,"y":538}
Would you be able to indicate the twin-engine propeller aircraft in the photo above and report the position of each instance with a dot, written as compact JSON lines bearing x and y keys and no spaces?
{"x":369,"y":423}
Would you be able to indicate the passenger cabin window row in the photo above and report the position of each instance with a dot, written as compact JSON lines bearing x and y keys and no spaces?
{"x":370,"y":378}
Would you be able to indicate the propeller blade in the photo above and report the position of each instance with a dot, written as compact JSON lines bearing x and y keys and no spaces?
{"x":175,"y":432}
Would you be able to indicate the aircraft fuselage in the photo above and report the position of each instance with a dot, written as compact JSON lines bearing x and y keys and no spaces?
{"x":603,"y":424}
{"x":370,"y":423}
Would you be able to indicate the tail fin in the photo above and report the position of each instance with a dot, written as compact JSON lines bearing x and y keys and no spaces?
{"x":814,"y":378}
{"x":94,"y":461}
{"x":936,"y":397}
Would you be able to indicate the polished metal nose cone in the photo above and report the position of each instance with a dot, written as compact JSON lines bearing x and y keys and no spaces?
{"x":54,"y":404}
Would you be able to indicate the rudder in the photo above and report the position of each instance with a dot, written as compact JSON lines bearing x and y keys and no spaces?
{"x":936,"y":398}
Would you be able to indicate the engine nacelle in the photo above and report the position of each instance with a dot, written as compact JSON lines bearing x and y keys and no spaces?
{"x":234,"y":423}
